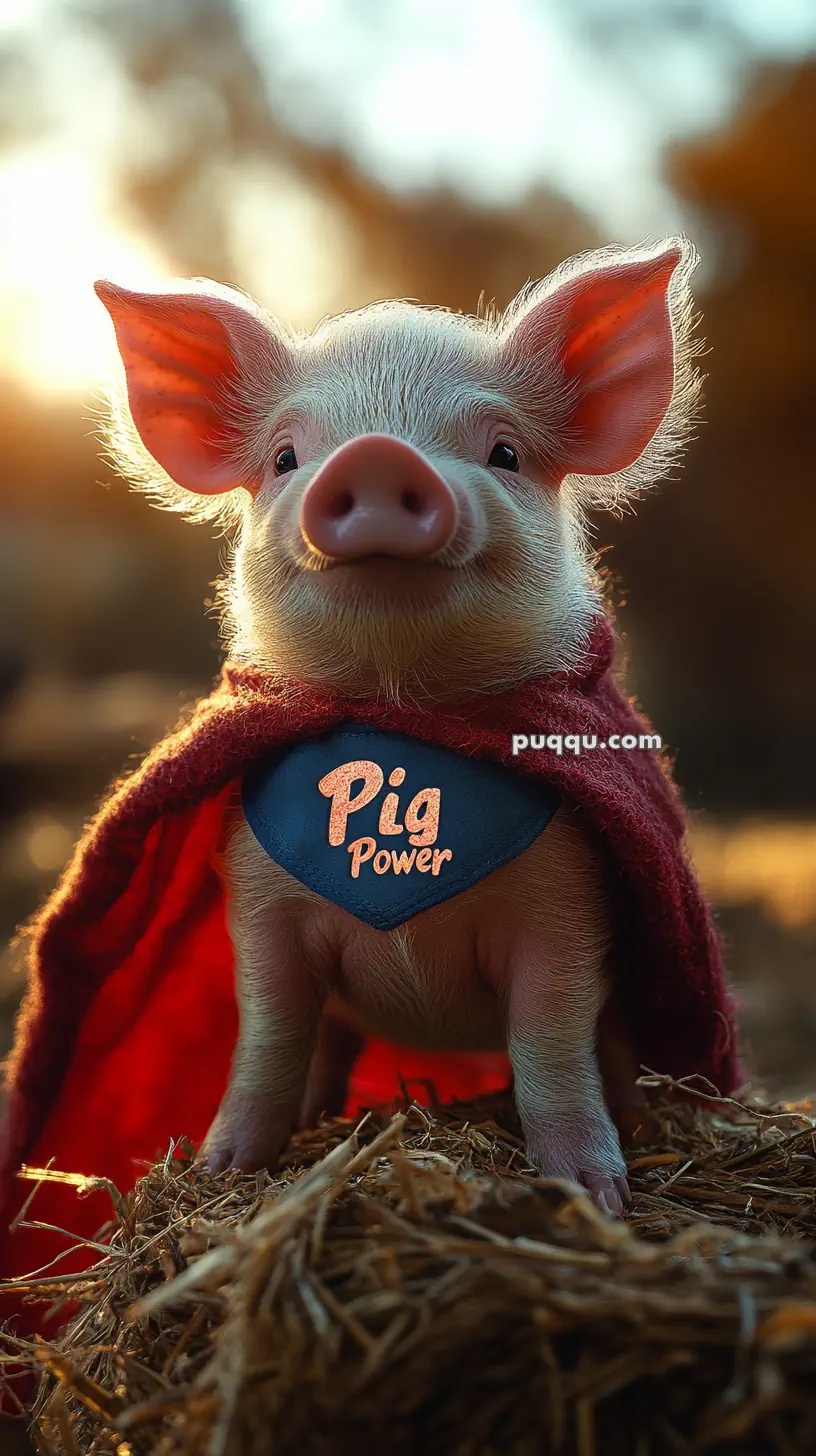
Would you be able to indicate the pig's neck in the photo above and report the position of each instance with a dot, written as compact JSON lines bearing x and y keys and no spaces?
{"x":451,"y":671}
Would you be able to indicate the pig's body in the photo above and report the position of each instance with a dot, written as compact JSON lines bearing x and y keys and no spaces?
{"x":516,"y":961}
{"x":411,"y":487}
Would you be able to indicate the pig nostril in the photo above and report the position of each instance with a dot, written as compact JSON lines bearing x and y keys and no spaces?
{"x":342,"y":505}
{"x":412,"y":501}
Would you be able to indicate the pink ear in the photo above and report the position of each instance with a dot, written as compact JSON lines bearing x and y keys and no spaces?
{"x":611,"y":332}
{"x":182,"y":354}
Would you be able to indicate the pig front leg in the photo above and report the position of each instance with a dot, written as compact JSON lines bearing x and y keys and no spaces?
{"x":277,"y":1033}
{"x":267,"y":1080}
{"x":279,"y":1009}
{"x":553,"y":1013}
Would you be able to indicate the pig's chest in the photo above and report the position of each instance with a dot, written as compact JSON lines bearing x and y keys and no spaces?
{"x":385,"y":826}
{"x":403,"y":868}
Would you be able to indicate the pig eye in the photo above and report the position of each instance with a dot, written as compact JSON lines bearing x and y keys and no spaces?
{"x":285,"y":461}
{"x":503,"y":457}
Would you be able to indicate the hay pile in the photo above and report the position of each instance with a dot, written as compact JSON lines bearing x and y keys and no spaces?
{"x":410,"y":1286}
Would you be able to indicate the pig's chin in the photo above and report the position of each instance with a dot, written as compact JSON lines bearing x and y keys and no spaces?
{"x":399,"y":628}
{"x":384,"y":631}
{"x":386,"y":578}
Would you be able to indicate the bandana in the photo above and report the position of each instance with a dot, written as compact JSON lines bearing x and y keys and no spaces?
{"x":384,"y":825}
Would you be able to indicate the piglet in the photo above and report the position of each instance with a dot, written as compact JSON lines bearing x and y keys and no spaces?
{"x":408,"y":489}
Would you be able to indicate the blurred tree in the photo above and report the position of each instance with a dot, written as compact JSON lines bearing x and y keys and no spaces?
{"x":196,"y":73}
{"x":724,"y":618}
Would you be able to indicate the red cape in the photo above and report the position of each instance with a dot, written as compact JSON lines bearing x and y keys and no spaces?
{"x":126,"y":1033}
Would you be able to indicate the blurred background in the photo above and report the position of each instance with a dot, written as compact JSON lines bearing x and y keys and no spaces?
{"x":326,"y":153}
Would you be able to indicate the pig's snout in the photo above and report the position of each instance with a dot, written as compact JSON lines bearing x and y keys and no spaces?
{"x":378,"y":496}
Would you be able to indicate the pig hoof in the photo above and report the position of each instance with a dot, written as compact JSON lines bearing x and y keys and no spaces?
{"x":585,"y":1151}
{"x":610,"y":1194}
{"x":240,"y":1154}
{"x":215,"y":1160}
{"x":246,"y":1135}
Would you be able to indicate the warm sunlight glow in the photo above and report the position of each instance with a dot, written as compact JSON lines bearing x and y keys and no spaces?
{"x":56,"y":236}
{"x":773,"y":862}
{"x":58,"y":233}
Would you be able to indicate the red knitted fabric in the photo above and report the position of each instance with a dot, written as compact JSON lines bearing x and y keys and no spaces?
{"x":129,"y":1023}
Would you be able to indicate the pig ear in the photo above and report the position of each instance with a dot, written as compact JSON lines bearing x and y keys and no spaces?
{"x":604,"y":346}
{"x":188,"y":358}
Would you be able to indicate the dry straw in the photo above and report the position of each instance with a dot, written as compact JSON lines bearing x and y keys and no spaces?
{"x":409,"y":1285}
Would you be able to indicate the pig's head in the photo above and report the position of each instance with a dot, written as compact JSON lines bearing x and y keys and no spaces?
{"x":410,"y":485}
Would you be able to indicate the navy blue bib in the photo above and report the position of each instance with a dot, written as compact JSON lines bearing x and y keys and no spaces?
{"x":384,"y":825}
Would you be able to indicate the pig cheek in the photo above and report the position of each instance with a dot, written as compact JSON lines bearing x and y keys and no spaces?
{"x":265,"y":575}
{"x":535,"y":527}
{"x":472,"y":533}
{"x":509,"y":525}
{"x":275,"y":510}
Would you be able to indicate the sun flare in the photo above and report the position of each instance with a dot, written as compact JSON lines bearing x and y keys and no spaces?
{"x":57,"y":234}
